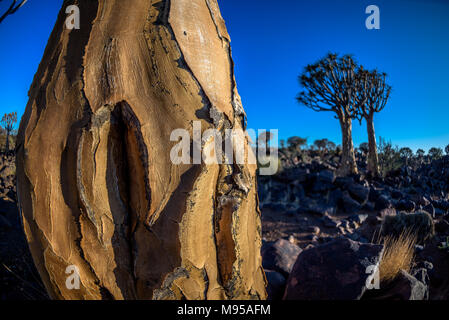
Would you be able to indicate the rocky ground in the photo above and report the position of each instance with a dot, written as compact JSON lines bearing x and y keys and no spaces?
{"x":309,"y":213}
{"x":320,"y":232}
{"x":19,"y":279}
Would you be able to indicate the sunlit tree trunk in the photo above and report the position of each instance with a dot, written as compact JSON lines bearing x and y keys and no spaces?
{"x":373,"y":158}
{"x":7,"y":141}
{"x":97,"y":189}
{"x":348,"y":164}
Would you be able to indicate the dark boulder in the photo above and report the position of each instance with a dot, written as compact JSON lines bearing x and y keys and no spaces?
{"x":359,"y":192}
{"x":349,"y":205}
{"x":404,"y":287}
{"x":335,"y":197}
{"x":333,"y":271}
{"x":440,"y":213}
{"x":358,"y":218}
{"x":323,"y":181}
{"x":382,"y":202}
{"x":441,"y":204}
{"x":396,"y":194}
{"x":297,"y":174}
{"x":406,"y":205}
{"x":276,"y":285}
{"x":442,"y":227}
{"x":344,"y":182}
{"x":374,"y":194}
{"x":369,"y":206}
{"x":280,"y":256}
{"x":429,"y":209}
{"x":327,"y":176}
{"x":330,"y":222}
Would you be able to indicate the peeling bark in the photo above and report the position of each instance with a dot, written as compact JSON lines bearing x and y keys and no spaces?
{"x":96,"y":185}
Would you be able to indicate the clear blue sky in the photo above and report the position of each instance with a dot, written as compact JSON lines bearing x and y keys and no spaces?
{"x":272,"y":41}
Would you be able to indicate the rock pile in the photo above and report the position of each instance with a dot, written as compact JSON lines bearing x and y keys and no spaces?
{"x":311,"y":204}
{"x":18,"y":277}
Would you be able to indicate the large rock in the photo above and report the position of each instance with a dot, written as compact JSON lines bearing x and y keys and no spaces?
{"x":359,"y":192}
{"x":442,"y":204}
{"x":280,"y":256}
{"x":442,"y":227}
{"x":348,"y":204}
{"x":383,"y":202}
{"x":322,"y":182}
{"x":430,"y":209}
{"x":330,"y":222}
{"x":276,"y":285}
{"x":334,"y":271}
{"x":405,"y":205}
{"x":404,"y":287}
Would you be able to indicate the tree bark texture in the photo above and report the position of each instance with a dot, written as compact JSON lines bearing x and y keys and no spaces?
{"x":7,"y":141}
{"x":373,"y":158}
{"x":348,"y":164}
{"x":97,"y":189}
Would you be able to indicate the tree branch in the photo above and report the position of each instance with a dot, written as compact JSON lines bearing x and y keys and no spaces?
{"x":12,"y":9}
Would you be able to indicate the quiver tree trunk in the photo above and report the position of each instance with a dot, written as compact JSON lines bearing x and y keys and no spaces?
{"x":373,"y":158}
{"x":96,"y":185}
{"x":7,"y":141}
{"x":348,"y":164}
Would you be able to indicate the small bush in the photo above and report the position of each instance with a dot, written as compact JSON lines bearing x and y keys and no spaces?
{"x":398,"y":255}
{"x":420,"y":223}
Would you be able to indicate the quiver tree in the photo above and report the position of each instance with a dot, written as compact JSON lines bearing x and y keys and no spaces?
{"x":330,"y":146}
{"x":364,"y":148}
{"x":96,"y":185}
{"x":420,"y":153}
{"x":332,"y":85}
{"x":296,"y":143}
{"x":8,"y":122}
{"x":321,"y":145}
{"x":406,"y":154}
{"x":294,"y":146}
{"x":435,"y":153}
{"x":376,"y":92}
{"x":13,"y":7}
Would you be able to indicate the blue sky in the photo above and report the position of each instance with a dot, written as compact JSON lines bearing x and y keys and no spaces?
{"x":272,"y":41}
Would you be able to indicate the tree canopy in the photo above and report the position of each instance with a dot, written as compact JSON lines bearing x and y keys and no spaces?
{"x":332,"y":84}
{"x":12,"y":8}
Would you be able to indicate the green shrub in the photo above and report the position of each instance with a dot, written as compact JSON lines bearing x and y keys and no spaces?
{"x":420,"y":223}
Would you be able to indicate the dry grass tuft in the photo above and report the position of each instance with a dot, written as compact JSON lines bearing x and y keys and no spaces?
{"x":398,"y":255}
